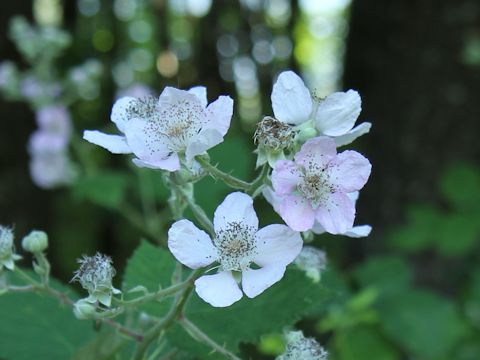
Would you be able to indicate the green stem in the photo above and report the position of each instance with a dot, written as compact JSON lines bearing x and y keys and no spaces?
{"x":154,"y":296}
{"x":200,"y":336}
{"x":175,"y":312}
{"x":35,"y":286}
{"x":197,"y":210}
{"x":218,"y":174}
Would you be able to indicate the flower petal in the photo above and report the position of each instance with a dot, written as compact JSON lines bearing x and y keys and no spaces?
{"x":285,"y":177}
{"x":237,"y":207}
{"x":291,"y":100}
{"x":359,"y":231}
{"x":114,"y":143}
{"x":350,"y":136}
{"x":149,"y":146}
{"x":219,"y":290}
{"x":254,"y":282}
{"x":172,"y":163}
{"x":316,"y":153}
{"x":350,"y":170}
{"x":272,"y":198}
{"x":336,"y":213}
{"x":220,"y":112}
{"x":277,"y":244}
{"x":190,"y":245}
{"x":119,"y":113}
{"x":297,"y":212}
{"x":337,"y":114}
{"x":205,"y":140}
{"x":201,"y":93}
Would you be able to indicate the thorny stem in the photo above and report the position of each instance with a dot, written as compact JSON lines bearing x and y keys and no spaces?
{"x":200,"y":336}
{"x":175,"y":312}
{"x":197,"y":211}
{"x":154,"y":296}
{"x":251,"y":188}
{"x":218,"y":174}
{"x":65,"y":299}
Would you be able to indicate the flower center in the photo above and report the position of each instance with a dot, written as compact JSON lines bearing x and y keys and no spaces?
{"x":236,"y":246}
{"x":315,"y":186}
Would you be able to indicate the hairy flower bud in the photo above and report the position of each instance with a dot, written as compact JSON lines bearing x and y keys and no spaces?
{"x":95,"y":275}
{"x":313,"y":261}
{"x":273,"y":137}
{"x":84,"y":310}
{"x":7,"y":251}
{"x":35,"y":242}
{"x":300,"y":347}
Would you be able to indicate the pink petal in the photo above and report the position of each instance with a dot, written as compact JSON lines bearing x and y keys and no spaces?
{"x":297,"y":213}
{"x":285,"y":177}
{"x":316,"y":152}
{"x":190,"y":245}
{"x":254,"y":282}
{"x":277,"y":244}
{"x":350,"y":170}
{"x":219,"y":290}
{"x":336,"y":213}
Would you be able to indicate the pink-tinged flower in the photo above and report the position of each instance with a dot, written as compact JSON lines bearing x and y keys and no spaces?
{"x":316,"y":185}
{"x":51,"y":169}
{"x":238,"y":244}
{"x":333,"y":116}
{"x":356,"y":231}
{"x":179,"y":125}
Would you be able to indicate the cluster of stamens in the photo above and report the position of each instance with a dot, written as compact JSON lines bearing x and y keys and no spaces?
{"x":273,"y":134}
{"x":315,"y":186}
{"x":95,"y":272}
{"x":236,"y":246}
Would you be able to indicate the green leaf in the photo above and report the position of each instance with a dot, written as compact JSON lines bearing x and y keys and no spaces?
{"x":420,"y":231}
{"x":388,"y":274}
{"x":281,"y":305}
{"x":152,"y":267}
{"x":35,"y":326}
{"x":458,"y":234}
{"x":106,"y":189}
{"x":427,"y":325}
{"x":460,"y":185}
{"x":364,"y":344}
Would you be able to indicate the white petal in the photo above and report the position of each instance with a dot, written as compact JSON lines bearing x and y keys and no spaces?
{"x":119,"y":113}
{"x":201,"y":93}
{"x":219,"y":290}
{"x":205,"y":140}
{"x":220,"y":112}
{"x":354,"y":196}
{"x":277,"y":244}
{"x":237,"y":207}
{"x":114,"y":143}
{"x":359,"y":231}
{"x":291,"y":100}
{"x":190,"y":245}
{"x":171,"y":163}
{"x":149,"y":146}
{"x":350,"y":136}
{"x":254,"y":282}
{"x":337,"y":114}
{"x":171,"y":96}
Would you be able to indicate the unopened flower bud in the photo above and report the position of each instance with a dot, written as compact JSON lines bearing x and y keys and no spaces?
{"x":300,"y":347}
{"x":84,"y":310}
{"x":313,"y":261}
{"x":7,"y":252}
{"x":35,"y":242}
{"x":95,"y":275}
